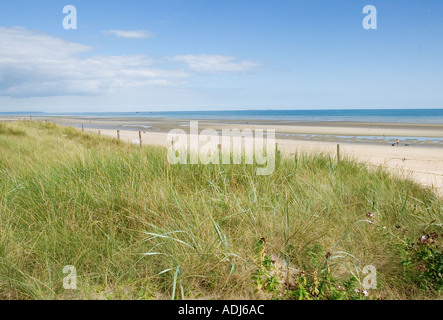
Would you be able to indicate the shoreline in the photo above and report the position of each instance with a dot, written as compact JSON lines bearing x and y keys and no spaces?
{"x":375,"y":133}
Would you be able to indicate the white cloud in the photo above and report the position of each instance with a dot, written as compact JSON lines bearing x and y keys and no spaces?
{"x":215,"y":63}
{"x":132,"y":34}
{"x":35,"y":64}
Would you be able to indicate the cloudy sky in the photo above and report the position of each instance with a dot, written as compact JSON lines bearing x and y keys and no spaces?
{"x":155,"y":55}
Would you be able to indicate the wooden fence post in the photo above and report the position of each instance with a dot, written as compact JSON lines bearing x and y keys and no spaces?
{"x":99,"y":133}
{"x":118,"y":135}
{"x":140,"y":137}
{"x":338,"y":152}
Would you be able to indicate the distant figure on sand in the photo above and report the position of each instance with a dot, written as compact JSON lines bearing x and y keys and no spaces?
{"x":398,"y":142}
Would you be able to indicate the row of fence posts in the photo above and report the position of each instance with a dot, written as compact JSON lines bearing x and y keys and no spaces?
{"x":219,"y":146}
{"x":118,"y":135}
{"x":277,"y":151}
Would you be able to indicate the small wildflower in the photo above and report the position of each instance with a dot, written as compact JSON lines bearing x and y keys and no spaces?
{"x":427,"y":239}
{"x":366,"y":293}
{"x":340,"y":288}
{"x":357,"y":290}
{"x":422,"y":268}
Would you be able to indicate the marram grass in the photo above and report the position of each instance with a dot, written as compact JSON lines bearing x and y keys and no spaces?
{"x":136,"y":227}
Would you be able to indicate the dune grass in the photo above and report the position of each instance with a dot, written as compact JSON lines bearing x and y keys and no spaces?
{"x":136,"y":227}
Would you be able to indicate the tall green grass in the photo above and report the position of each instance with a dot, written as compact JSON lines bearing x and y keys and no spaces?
{"x":136,"y":227}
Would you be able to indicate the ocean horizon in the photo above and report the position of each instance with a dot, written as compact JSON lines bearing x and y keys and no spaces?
{"x":425,"y":116}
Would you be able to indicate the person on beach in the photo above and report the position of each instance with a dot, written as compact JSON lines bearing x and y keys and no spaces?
{"x":398,"y":142}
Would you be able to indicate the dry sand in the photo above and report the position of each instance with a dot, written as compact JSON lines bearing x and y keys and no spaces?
{"x":423,"y":164}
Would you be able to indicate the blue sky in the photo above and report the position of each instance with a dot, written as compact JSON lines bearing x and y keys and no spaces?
{"x":156,"y":55}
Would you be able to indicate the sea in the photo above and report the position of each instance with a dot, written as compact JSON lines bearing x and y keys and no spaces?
{"x":424,"y":116}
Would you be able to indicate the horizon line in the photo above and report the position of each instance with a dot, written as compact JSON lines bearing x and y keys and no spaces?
{"x":217,"y":110}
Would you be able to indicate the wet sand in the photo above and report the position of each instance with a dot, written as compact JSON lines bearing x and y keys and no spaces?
{"x":428,"y":135}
